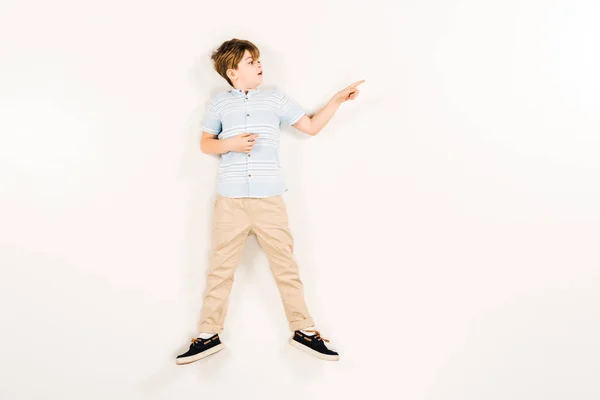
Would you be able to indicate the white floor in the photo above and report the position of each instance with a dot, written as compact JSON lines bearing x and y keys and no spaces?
{"x":446,"y":221}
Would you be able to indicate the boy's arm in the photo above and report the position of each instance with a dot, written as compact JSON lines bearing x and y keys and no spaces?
{"x":211,"y":144}
{"x":313,"y":125}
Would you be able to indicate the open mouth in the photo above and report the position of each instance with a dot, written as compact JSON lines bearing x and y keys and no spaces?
{"x":260,"y":73}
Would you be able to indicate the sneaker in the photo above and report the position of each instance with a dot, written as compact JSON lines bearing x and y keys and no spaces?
{"x":314,"y":345}
{"x":199,"y":349}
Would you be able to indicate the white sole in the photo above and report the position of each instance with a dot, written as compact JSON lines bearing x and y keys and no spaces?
{"x":308,"y":350}
{"x":200,"y":356}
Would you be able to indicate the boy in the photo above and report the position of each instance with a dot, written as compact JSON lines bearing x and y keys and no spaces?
{"x":242,"y":126}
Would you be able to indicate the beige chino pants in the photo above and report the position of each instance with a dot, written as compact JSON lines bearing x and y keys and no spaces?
{"x":233,"y":220}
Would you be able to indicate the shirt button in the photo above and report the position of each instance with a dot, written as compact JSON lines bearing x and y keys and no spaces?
{"x":248,"y":155}
{"x":249,"y":174}
{"x":247,"y":115}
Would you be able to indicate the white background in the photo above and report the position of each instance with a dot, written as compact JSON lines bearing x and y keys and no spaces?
{"x":446,"y":221}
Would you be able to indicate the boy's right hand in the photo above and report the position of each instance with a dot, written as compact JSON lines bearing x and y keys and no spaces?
{"x":243,"y":143}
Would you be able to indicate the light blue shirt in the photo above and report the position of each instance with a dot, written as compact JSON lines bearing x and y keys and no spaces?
{"x":231,"y":113}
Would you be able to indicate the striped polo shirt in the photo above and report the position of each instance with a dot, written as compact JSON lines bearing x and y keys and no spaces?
{"x":234,"y":112}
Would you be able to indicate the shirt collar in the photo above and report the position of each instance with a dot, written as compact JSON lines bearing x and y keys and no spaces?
{"x":242,"y":92}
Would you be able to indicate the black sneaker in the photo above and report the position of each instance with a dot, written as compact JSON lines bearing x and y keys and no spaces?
{"x":314,"y":345}
{"x":200,"y":348}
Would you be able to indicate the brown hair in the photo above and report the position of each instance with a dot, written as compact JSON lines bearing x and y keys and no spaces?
{"x":230,"y":53}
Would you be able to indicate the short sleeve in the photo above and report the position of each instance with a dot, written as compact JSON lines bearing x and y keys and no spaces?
{"x":211,"y":123}
{"x":290,"y":112}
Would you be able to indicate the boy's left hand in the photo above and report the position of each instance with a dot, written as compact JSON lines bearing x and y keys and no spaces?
{"x":348,"y":93}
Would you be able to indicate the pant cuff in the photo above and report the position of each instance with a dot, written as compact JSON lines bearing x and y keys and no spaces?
{"x":302,"y":324}
{"x":211,"y":328}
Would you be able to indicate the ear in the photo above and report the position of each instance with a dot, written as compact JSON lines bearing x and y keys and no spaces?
{"x":231,"y":74}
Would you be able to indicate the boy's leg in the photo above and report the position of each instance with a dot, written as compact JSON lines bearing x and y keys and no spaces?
{"x":231,"y":225}
{"x":270,"y":224}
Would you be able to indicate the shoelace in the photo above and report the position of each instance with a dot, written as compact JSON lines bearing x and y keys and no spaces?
{"x":197,"y":340}
{"x":317,"y":335}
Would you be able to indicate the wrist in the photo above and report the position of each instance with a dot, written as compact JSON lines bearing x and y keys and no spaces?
{"x":335,"y":102}
{"x":227,"y":145}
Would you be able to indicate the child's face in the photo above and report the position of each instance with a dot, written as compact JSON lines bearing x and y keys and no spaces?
{"x":248,"y":74}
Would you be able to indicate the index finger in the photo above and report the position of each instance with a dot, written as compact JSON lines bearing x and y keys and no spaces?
{"x":355,"y":84}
